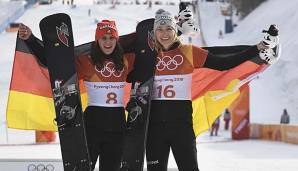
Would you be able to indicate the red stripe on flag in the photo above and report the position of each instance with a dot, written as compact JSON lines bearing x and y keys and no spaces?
{"x":29,"y":77}
{"x":209,"y":80}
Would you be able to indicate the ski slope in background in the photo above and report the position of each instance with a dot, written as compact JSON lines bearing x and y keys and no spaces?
{"x":274,"y":90}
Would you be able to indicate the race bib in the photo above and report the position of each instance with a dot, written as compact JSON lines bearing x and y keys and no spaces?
{"x":108,"y":94}
{"x":172,"y":87}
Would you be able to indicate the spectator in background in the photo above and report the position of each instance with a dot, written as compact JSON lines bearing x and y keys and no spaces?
{"x":220,"y":34}
{"x":89,"y":13}
{"x":215,"y":127}
{"x":285,"y":118}
{"x":227,"y":118}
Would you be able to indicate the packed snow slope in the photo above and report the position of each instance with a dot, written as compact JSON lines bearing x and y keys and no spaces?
{"x":276,"y":88}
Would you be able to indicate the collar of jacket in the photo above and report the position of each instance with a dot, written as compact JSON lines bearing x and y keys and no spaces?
{"x":173,"y":46}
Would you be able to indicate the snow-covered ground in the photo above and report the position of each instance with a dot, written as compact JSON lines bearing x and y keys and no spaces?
{"x":276,"y":88}
{"x":251,"y":155}
{"x":214,"y":153}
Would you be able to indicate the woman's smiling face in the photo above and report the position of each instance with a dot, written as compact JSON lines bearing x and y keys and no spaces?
{"x":107,"y":43}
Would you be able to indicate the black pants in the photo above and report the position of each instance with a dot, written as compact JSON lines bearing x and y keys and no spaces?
{"x":105,"y":131}
{"x":180,"y":138}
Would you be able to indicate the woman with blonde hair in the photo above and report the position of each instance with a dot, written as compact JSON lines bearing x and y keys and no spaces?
{"x":170,"y":125}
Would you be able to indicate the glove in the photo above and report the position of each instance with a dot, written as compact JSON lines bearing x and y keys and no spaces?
{"x":185,"y":23}
{"x":185,"y":15}
{"x":24,"y":32}
{"x":188,"y":27}
{"x":271,"y":38}
{"x":270,"y":49}
{"x":269,"y":55}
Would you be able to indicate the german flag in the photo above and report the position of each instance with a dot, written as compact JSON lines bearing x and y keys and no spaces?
{"x":213,"y":91}
{"x":30,"y":103}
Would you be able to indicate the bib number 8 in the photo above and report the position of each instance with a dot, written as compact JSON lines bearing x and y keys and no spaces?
{"x":111,"y":98}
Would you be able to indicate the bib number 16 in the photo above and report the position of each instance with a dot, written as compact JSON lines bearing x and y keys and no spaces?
{"x":167,"y":91}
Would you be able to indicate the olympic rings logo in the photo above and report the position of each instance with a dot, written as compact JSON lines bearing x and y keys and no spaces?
{"x":41,"y":167}
{"x":168,"y":62}
{"x":108,"y":70}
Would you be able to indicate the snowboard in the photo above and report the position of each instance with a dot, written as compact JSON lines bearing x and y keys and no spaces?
{"x":140,"y":99}
{"x":58,"y":42}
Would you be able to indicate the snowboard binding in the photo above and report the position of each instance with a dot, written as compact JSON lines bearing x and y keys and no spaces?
{"x":124,"y":166}
{"x":66,"y":116}
{"x":67,"y":112}
{"x":134,"y":106}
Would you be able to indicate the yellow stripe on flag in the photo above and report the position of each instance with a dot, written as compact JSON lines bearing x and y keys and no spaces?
{"x":38,"y":115}
{"x":206,"y":109}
